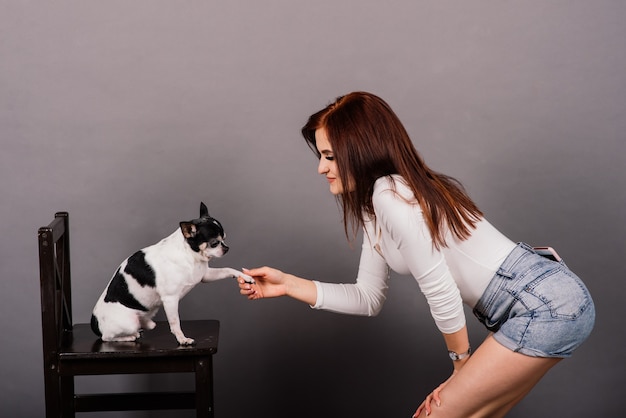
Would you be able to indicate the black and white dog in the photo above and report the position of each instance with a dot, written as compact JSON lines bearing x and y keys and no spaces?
{"x":161,"y":274}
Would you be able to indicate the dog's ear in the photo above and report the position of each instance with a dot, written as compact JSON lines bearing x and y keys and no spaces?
{"x":204,"y":212}
{"x":189,"y":229}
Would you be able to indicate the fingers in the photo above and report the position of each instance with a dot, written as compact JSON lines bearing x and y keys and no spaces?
{"x":245,"y":283}
{"x":432,"y":397}
{"x":423,"y":407}
{"x":264,"y":284}
{"x":427,"y":404}
{"x":245,"y":278}
{"x":436,"y":396}
{"x":246,"y":289}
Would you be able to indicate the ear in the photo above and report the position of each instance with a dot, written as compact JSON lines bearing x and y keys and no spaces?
{"x":204,"y":212}
{"x":189,"y":229}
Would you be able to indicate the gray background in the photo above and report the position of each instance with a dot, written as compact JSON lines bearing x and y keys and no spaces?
{"x":128,"y":113}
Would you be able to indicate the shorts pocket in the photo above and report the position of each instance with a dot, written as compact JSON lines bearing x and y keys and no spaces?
{"x":563,"y":293}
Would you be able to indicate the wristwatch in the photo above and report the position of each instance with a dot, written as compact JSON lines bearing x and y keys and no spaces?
{"x":456,"y":356}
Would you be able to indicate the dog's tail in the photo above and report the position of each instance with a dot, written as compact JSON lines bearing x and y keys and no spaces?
{"x":95,"y":326}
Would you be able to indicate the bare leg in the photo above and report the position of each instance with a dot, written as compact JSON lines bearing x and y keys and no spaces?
{"x":492,"y":381}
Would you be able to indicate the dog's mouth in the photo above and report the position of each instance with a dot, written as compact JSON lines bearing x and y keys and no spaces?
{"x":208,"y":252}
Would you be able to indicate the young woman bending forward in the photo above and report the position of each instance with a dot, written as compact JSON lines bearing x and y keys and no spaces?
{"x":422,"y":223}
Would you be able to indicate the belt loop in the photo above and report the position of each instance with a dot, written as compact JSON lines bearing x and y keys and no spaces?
{"x":504,"y":273}
{"x":512,"y":259}
{"x":525,"y":246}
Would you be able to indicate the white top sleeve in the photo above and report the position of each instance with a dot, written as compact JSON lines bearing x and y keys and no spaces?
{"x":366,"y":296}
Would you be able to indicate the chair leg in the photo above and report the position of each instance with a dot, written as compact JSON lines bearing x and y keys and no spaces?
{"x":66,"y":388}
{"x":52,"y":393}
{"x":204,"y":387}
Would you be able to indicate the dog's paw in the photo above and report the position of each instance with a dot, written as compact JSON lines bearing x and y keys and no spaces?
{"x":186,"y":341}
{"x":247,"y":279}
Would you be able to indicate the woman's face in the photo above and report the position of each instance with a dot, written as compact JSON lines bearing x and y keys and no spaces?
{"x":327,"y":166}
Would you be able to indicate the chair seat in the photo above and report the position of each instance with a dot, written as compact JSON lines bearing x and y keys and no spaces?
{"x":82,"y":343}
{"x":157,"y":351}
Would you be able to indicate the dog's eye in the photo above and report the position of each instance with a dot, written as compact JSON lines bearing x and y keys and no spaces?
{"x":214,"y":244}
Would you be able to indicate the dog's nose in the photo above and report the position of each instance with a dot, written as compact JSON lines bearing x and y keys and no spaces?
{"x":225,"y":248}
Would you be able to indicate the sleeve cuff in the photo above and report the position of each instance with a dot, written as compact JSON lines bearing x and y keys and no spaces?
{"x":320,"y":295}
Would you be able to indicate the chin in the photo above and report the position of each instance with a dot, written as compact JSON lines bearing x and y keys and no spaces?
{"x":336,"y":190}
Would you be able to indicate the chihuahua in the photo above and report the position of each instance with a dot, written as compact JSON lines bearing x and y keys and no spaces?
{"x":161,"y":274}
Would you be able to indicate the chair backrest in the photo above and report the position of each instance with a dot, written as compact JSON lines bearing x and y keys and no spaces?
{"x":55,"y":284}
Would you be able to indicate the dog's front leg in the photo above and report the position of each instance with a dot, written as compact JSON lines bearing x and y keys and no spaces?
{"x":213,"y":274}
{"x":170,"y":306}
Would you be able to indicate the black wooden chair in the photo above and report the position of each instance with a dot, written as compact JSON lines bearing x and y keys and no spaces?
{"x":72,"y":349}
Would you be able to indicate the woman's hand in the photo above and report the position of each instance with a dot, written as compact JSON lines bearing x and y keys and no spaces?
{"x":269,"y":283}
{"x":433,"y":397}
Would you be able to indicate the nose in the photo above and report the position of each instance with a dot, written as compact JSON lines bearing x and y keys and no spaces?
{"x":224,"y":247}
{"x":322,"y":167}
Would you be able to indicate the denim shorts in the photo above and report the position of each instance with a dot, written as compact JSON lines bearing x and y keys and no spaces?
{"x":536,"y":306}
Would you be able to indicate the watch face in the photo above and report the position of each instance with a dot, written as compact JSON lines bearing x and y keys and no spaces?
{"x":454,"y":356}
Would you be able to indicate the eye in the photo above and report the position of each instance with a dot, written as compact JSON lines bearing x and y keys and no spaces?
{"x":214,"y":244}
{"x":330,"y":157}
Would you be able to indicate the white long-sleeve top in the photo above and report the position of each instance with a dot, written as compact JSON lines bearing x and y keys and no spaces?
{"x":399,"y":238}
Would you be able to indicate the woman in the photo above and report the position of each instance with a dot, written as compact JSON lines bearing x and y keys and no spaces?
{"x":422,"y":223}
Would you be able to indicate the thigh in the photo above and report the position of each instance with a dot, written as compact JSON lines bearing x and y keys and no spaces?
{"x":492,"y":381}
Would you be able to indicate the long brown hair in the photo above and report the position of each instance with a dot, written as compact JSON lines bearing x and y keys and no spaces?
{"x":369,"y":142}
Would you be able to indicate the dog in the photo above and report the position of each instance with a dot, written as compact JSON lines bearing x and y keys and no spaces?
{"x":160,"y":275}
